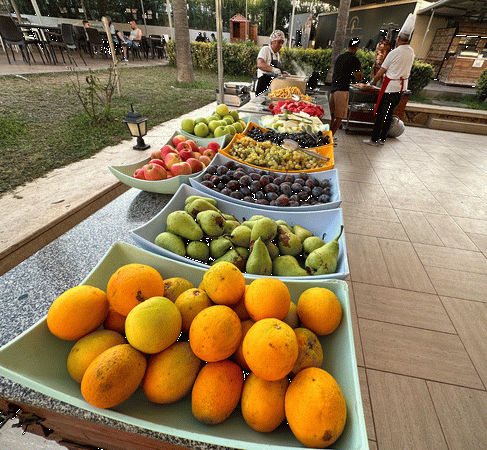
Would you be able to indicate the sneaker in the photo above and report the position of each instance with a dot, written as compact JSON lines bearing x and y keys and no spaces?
{"x":370,"y":142}
{"x":124,"y":60}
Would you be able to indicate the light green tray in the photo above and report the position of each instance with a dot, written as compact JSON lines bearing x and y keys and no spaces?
{"x":37,"y":359}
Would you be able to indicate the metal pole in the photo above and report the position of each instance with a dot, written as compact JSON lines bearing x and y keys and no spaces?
{"x":37,"y":11}
{"x":425,"y":33}
{"x":84,"y":10}
{"x":143,"y":16}
{"x":17,"y":13}
{"x":104,"y":21}
{"x":168,"y":7}
{"x":291,"y":33}
{"x":275,"y":16}
{"x":246,"y":18}
{"x":219,"y":48}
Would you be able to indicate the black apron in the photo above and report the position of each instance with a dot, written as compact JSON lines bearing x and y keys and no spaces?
{"x":264,"y":81}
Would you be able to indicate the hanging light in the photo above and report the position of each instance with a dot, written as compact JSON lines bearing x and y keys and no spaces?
{"x":137,"y":126}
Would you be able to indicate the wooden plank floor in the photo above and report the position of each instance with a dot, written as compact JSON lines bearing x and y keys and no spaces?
{"x":416,"y":229}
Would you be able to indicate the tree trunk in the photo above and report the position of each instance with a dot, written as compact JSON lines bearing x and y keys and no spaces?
{"x":181,"y":36}
{"x":340,"y":32}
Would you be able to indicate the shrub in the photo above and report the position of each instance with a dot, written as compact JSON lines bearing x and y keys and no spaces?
{"x":481,"y":87}
{"x":421,"y":74}
{"x":366,"y":58}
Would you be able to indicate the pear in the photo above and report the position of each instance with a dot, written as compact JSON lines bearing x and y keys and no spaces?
{"x":312,"y":243}
{"x":171,"y":242}
{"x":211,"y":222}
{"x":244,"y":252}
{"x":198,"y":250}
{"x":287,"y":266}
{"x":288,"y":243}
{"x":183,"y":224}
{"x":256,"y":217}
{"x":230,"y":225}
{"x":234,"y":257}
{"x":229,"y":217}
{"x":272,"y":249}
{"x":249,"y":223}
{"x":265,"y":228}
{"x":240,"y":236}
{"x":198,"y":205}
{"x":194,"y":197}
{"x":323,"y":260}
{"x":301,"y":232}
{"x":284,"y":224}
{"x":259,"y":262}
{"x":219,"y":246}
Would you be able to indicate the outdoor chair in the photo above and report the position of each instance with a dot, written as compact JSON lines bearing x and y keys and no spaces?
{"x":70,"y":41}
{"x":81,"y":39}
{"x":11,"y":35}
{"x":95,"y":42}
{"x":158,"y":46}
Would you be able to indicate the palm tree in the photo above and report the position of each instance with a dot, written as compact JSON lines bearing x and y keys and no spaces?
{"x":340,"y":32}
{"x":181,"y":36}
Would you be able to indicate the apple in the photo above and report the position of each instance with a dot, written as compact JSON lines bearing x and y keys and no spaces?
{"x":156,"y":154}
{"x":205,"y":160}
{"x":160,"y":162}
{"x":186,"y":154}
{"x":171,"y":158}
{"x":139,"y":173}
{"x":196,"y":165}
{"x":178,"y":138}
{"x":194,"y":147}
{"x":181,"y":168}
{"x":215,"y":146}
{"x":183,"y":145}
{"x":210,"y":153}
{"x":154,"y":172}
{"x":167,"y":149}
{"x":201,"y":149}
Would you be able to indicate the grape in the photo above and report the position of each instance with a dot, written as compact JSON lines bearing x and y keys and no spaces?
{"x":271,"y":196}
{"x":233,"y":185}
{"x":221,"y":170}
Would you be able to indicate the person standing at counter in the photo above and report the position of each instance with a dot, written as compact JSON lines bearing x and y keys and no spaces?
{"x":269,"y":60}
{"x":346,"y":65}
{"x":395,"y":68}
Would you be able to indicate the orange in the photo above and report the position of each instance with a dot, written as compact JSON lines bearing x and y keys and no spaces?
{"x":215,"y":333}
{"x":114,"y":321}
{"x":267,"y":297}
{"x":174,"y":287}
{"x":113,"y":376}
{"x":77,"y":312}
{"x":315,"y":408}
{"x":270,"y":349}
{"x":310,"y":352}
{"x":262,"y":402}
{"x":190,"y":303}
{"x":292,"y":318}
{"x":171,"y":373}
{"x":216,"y":391}
{"x":319,"y":310}
{"x":238,"y":355}
{"x":224,"y":283}
{"x":240,"y":309}
{"x":132,"y":284}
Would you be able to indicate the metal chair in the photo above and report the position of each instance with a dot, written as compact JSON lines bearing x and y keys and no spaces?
{"x":95,"y":42}
{"x":11,"y":35}
{"x":157,"y":44}
{"x":70,"y":41}
{"x":81,"y":39}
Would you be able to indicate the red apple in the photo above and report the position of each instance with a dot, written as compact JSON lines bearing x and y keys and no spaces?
{"x":154,"y":172}
{"x":186,"y":154}
{"x":178,"y":138}
{"x":167,"y":149}
{"x":182,"y":168}
{"x":201,"y":149}
{"x":183,"y":145}
{"x":210,"y":153}
{"x":197,"y":155}
{"x":139,"y":173}
{"x":196,"y":164}
{"x":156,"y":154}
{"x":194,"y":147}
{"x":205,"y":160}
{"x":169,"y":175}
{"x":160,"y":162}
{"x":215,"y":146}
{"x":171,"y":158}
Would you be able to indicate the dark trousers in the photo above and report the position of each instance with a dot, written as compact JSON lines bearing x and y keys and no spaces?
{"x":383,"y":116}
{"x":263,"y":84}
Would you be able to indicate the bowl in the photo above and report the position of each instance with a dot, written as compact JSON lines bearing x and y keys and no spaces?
{"x":169,"y":186}
{"x":331,"y":175}
{"x":42,"y":367}
{"x":325,"y":224}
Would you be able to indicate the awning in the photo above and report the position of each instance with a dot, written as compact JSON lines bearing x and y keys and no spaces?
{"x":464,"y":10}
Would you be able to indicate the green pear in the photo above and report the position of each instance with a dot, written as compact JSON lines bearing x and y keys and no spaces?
{"x":230,"y":225}
{"x":312,"y":243}
{"x":259,"y":262}
{"x":240,"y":236}
{"x":234,"y":257}
{"x":284,"y":224}
{"x":219,"y":246}
{"x":272,"y":249}
{"x":249,"y":223}
{"x":195,"y":197}
{"x":301,"y":232}
{"x":198,"y":205}
{"x":265,"y":228}
{"x":211,"y":222}
{"x":244,"y":252}
{"x":183,"y":224}
{"x":171,"y":242}
{"x":287,"y":266}
{"x":257,"y":217}
{"x":288,"y":243}
{"x":229,"y":217}
{"x":198,"y":250}
{"x":323,"y":260}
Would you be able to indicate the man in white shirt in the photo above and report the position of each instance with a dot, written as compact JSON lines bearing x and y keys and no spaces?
{"x":269,"y":60}
{"x":133,"y":40}
{"x":395,"y":68}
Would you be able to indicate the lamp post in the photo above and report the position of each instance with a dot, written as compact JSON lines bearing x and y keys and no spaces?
{"x":137,"y":126}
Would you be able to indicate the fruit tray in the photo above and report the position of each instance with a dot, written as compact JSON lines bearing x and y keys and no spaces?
{"x":42,"y":367}
{"x":331,"y":175}
{"x":325,"y":150}
{"x":325,"y":224}
{"x":169,"y":186}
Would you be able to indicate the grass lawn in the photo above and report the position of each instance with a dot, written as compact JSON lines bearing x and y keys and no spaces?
{"x":43,"y":124}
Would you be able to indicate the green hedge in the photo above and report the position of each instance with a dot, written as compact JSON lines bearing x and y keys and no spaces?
{"x":481,"y":87}
{"x":240,"y":58}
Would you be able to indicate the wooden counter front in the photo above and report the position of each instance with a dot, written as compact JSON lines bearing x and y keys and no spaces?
{"x":462,"y":70}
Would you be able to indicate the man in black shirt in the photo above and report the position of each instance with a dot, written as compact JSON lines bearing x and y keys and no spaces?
{"x":346,"y":65}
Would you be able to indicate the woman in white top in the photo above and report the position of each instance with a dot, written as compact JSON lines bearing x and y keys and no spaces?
{"x":269,"y":60}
